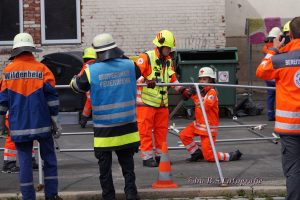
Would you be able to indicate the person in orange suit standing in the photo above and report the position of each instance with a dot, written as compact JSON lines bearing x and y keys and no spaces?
{"x":152,"y":101}
{"x":282,"y":63}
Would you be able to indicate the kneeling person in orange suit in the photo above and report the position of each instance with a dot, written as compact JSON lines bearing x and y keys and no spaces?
{"x":198,"y":127}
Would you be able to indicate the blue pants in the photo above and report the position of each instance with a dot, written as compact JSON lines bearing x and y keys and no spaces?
{"x":271,"y":101}
{"x":50,"y":168}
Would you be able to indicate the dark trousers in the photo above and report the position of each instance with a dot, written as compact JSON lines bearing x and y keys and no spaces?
{"x":125,"y":158}
{"x":50,"y":168}
{"x":271,"y":101}
{"x":290,"y":149}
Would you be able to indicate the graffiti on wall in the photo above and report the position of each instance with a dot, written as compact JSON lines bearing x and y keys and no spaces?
{"x":258,"y":28}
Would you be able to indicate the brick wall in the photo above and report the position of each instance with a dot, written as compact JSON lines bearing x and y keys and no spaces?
{"x":134,"y":23}
{"x":32,"y":19}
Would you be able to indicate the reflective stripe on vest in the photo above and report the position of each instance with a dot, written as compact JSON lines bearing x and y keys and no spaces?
{"x":115,"y":79}
{"x":116,"y":141}
{"x":159,"y":95}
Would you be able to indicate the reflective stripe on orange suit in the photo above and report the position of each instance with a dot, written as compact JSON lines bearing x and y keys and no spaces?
{"x":87,"y":109}
{"x":288,"y":89}
{"x":151,"y":118}
{"x":198,"y":128}
{"x":10,"y":151}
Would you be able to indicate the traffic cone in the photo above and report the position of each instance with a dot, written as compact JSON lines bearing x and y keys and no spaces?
{"x":164,"y":171}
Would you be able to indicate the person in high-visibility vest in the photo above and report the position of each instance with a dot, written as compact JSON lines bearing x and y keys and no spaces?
{"x":111,"y":80}
{"x":152,"y":101}
{"x":199,"y":128}
{"x":89,"y":56}
{"x":10,"y":154}
{"x":282,"y":63}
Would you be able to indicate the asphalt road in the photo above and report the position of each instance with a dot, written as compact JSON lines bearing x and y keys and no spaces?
{"x":260,"y":164}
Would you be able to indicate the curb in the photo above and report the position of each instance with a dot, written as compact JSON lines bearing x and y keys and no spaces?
{"x":169,"y":193}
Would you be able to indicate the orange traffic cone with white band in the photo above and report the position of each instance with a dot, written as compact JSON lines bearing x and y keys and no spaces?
{"x":164,"y":171}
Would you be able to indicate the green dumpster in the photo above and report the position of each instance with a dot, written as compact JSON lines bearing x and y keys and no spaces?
{"x":225,"y":61}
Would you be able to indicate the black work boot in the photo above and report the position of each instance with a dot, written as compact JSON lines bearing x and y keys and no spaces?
{"x":150,"y":163}
{"x":10,"y":167}
{"x":83,"y":121}
{"x":235,"y":155}
{"x":132,"y":197}
{"x":35,"y":166}
{"x":56,"y":197}
{"x":197,"y":155}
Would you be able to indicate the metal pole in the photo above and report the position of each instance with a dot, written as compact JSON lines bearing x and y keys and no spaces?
{"x":36,"y":148}
{"x":77,"y":133}
{"x":91,"y":150}
{"x":258,"y":126}
{"x":241,"y":139}
{"x":209,"y":134}
{"x":191,"y":84}
{"x":255,"y":132}
{"x":40,"y":166}
{"x":176,"y":109}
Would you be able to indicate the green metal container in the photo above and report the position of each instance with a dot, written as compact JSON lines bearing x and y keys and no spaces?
{"x":225,"y":61}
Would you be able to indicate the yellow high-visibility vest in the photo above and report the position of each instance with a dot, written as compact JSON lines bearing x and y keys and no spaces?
{"x":157,"y":96}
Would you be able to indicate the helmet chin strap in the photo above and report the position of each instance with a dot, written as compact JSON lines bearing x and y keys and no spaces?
{"x":160,"y":52}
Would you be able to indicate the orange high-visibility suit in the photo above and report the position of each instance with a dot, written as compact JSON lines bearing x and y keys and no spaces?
{"x":10,"y":151}
{"x":285,"y":65}
{"x":151,"y":118}
{"x":198,"y":127}
{"x":87,"y":110}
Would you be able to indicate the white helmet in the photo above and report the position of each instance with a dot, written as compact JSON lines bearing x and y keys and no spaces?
{"x":275,"y":31}
{"x":105,"y":47}
{"x":23,"y":40}
{"x":103,"y":42}
{"x":207,"y":72}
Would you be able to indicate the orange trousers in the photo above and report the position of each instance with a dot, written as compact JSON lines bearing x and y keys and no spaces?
{"x":10,"y":150}
{"x":187,"y":135}
{"x":153,"y":125}
{"x":87,"y":110}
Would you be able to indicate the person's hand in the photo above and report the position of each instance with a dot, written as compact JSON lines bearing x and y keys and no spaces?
{"x":150,"y":83}
{"x":186,"y":94}
{"x":277,"y":43}
{"x":57,"y":129}
{"x":192,"y":89}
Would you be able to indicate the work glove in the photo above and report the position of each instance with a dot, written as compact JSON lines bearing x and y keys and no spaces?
{"x":150,"y":83}
{"x":57,"y":129}
{"x":194,"y":91}
{"x":186,"y":94}
{"x":83,"y":121}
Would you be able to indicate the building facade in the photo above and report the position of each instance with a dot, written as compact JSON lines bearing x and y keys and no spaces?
{"x":68,"y":25}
